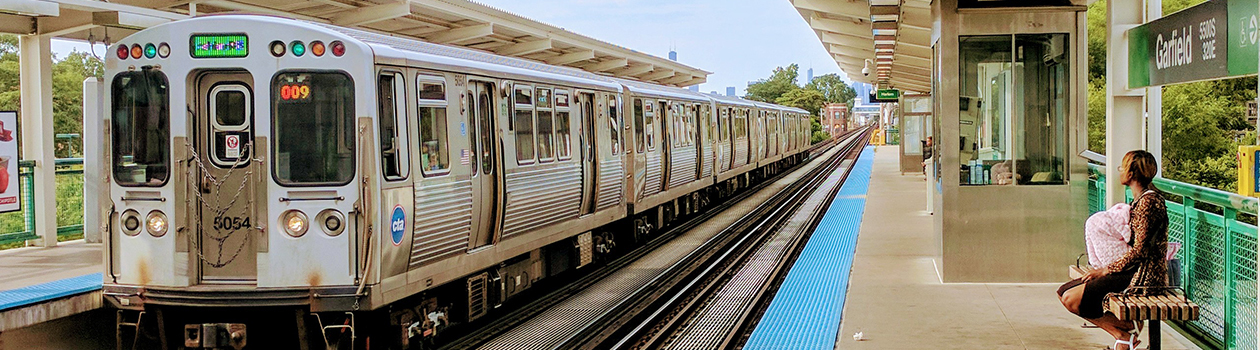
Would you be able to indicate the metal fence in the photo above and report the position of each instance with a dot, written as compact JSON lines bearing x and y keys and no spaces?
{"x":69,"y":213}
{"x":1218,"y":257}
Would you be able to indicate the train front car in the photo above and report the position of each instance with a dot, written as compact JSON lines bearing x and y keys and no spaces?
{"x":238,"y":148}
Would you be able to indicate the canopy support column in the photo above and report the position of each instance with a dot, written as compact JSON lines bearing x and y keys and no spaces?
{"x":1126,"y":108}
{"x":35,"y":61}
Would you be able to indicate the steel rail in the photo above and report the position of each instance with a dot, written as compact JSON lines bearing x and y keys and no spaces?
{"x":553,"y":292}
{"x":672,"y":316}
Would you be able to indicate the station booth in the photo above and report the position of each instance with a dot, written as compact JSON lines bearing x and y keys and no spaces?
{"x":1009,"y":189}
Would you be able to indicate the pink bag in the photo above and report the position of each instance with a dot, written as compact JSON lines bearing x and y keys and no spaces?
{"x":1107,"y":235}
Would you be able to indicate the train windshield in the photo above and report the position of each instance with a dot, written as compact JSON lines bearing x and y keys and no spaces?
{"x":313,"y":116}
{"x":141,"y":128}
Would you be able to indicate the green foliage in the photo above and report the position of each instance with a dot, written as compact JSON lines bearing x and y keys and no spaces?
{"x":1203,"y":122}
{"x":816,"y":134}
{"x":807,"y":99}
{"x":833,"y":89}
{"x":780,"y":82}
{"x":781,"y":88}
{"x":67,"y":85}
{"x":1097,"y":113}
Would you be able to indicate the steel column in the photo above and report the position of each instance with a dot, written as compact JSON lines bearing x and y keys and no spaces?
{"x":35,"y":61}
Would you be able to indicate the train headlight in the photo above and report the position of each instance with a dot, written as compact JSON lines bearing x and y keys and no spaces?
{"x":130,"y":220}
{"x":333,"y":221}
{"x":294,"y":223}
{"x":156,"y":223}
{"x":164,"y":50}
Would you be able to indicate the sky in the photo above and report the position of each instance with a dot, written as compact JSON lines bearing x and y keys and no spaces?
{"x":738,"y":40}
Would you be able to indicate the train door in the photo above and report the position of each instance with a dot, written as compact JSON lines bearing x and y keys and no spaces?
{"x":225,"y":183}
{"x":666,"y":117}
{"x":590,"y":164}
{"x":699,"y":126}
{"x":487,"y":177}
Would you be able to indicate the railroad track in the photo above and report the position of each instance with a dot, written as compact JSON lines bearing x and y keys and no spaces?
{"x":715,"y":305}
{"x":493,"y":327}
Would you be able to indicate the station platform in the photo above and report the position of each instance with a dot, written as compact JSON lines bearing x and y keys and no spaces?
{"x":44,"y":284}
{"x":869,"y":268}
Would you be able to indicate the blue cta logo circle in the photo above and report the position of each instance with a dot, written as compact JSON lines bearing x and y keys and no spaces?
{"x":397,"y":224}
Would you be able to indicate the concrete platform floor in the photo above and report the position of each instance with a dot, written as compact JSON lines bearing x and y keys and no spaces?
{"x":897,"y":301}
{"x":21,"y":267}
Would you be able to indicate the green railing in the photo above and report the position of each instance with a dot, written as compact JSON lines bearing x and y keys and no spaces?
{"x":1218,"y":257}
{"x":19,"y":226}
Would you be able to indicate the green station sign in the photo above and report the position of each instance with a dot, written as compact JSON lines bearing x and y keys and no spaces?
{"x":887,"y":94}
{"x":1213,"y":40}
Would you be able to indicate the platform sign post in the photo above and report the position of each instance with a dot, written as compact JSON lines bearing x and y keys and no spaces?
{"x":10,"y":191}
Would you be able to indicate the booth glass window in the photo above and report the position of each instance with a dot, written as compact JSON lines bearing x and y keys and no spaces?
{"x":1012,"y":109}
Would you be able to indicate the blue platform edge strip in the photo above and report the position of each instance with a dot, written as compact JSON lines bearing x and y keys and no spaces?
{"x":805,"y":313}
{"x":30,"y":295}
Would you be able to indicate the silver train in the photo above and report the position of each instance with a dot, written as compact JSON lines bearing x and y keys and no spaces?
{"x":289,"y":177}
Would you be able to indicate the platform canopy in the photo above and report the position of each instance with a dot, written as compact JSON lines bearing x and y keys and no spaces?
{"x":894,"y":35}
{"x":451,"y":22}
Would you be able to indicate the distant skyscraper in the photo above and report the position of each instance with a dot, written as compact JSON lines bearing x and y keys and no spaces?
{"x":673,"y":55}
{"x":810,"y":74}
{"x":730,"y":91}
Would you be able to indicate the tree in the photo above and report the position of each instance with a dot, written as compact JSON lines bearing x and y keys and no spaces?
{"x":807,"y":99}
{"x":833,"y":88}
{"x":67,"y":85}
{"x":781,"y":81}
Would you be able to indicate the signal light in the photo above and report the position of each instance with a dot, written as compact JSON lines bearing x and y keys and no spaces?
{"x":164,"y":50}
{"x":123,"y":52}
{"x":150,"y":51}
{"x":298,"y":48}
{"x":277,"y":48}
{"x":338,"y":48}
{"x":136,"y":51}
{"x":317,"y":48}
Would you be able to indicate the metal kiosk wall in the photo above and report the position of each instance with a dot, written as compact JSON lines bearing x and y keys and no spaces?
{"x":1010,"y":88}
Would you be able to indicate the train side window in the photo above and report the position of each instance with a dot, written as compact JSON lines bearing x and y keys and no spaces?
{"x":140,"y":134}
{"x":638,"y":125}
{"x":649,"y":127}
{"x":545,"y":133}
{"x":523,"y":120}
{"x":563,"y":135}
{"x":392,"y":115}
{"x":431,"y":104}
{"x":614,"y":122}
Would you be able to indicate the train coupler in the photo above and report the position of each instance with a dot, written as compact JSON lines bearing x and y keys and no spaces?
{"x":214,"y":336}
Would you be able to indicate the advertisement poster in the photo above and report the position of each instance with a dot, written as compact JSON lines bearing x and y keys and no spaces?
{"x":10,"y":192}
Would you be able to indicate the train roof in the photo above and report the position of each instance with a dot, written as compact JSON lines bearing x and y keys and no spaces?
{"x":461,"y":59}
{"x":730,"y":100}
{"x":639,"y":87}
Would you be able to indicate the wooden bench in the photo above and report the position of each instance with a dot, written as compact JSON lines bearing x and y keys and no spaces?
{"x":1164,"y":305}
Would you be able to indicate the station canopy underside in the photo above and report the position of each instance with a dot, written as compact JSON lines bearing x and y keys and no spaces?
{"x":894,"y":35}
{"x":451,"y":22}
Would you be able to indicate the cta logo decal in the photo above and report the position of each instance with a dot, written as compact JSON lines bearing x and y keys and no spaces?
{"x":397,"y":224}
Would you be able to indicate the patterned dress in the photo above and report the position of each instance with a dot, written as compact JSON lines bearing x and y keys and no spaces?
{"x":1149,"y":222}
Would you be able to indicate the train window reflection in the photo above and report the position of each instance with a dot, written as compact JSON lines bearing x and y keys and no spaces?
{"x":314,"y":137}
{"x":523,"y":122}
{"x":141,"y":128}
{"x":434,"y":156}
{"x":392,"y":97}
{"x":638,"y":124}
{"x":562,"y":126}
{"x":545,"y":132}
{"x":615,"y":123}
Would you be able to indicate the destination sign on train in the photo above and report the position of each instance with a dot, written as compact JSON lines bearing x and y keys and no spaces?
{"x":219,"y":45}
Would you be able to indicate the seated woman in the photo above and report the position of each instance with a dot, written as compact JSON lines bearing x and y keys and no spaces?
{"x":1144,"y":265}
